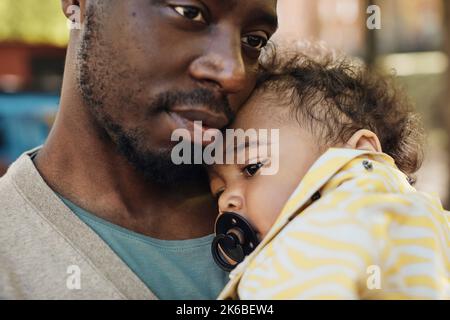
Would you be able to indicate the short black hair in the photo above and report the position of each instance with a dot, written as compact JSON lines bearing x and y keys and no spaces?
{"x":343,"y":96}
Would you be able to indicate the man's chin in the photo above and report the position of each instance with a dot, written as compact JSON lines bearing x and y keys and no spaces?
{"x":158,"y":167}
{"x":167,"y":174}
{"x":155,"y":164}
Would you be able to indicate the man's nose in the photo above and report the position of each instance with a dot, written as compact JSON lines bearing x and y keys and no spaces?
{"x":231,"y":202}
{"x":222,"y":64}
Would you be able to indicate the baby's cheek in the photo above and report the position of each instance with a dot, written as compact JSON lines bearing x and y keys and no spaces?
{"x":264,"y":204}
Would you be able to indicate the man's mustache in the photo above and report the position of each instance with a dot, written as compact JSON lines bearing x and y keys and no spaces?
{"x":217,"y":103}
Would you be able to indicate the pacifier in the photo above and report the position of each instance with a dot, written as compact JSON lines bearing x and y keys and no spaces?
{"x":235,"y":239}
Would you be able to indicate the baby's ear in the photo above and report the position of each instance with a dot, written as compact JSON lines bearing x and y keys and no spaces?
{"x":364,"y":140}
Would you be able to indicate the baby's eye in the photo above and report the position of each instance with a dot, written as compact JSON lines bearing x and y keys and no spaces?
{"x":252,"y":169}
{"x":191,"y":13}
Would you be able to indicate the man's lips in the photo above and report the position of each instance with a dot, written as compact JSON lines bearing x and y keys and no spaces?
{"x":208,"y":118}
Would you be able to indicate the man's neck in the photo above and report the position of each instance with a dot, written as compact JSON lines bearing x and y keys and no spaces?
{"x":86,"y":169}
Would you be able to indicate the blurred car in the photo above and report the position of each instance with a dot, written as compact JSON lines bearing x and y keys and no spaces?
{"x":25,"y":121}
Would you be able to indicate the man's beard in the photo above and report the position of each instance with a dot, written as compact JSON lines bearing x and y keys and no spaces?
{"x":155,"y":165}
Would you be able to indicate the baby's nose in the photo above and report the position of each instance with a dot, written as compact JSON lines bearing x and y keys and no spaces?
{"x":231,"y":203}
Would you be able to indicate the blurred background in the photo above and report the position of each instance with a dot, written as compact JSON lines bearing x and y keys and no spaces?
{"x":413,"y":42}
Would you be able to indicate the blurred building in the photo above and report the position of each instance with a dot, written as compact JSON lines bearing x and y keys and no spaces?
{"x":339,"y":23}
{"x":31,"y":68}
{"x":410,"y":43}
{"x":33,"y":36}
{"x":25,"y":121}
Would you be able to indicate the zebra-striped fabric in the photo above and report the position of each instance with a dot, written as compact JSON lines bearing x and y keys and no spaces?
{"x":371,"y":235}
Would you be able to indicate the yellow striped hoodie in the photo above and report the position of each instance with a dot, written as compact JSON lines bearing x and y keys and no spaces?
{"x":353,"y":229}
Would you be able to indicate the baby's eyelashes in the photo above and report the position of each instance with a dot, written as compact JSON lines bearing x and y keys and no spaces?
{"x":252,"y":169}
{"x":218,"y":194}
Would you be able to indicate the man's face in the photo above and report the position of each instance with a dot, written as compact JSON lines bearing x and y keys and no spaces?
{"x":148,"y":67}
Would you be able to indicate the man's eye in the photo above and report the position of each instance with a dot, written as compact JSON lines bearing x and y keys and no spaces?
{"x":256,"y":42}
{"x":191,"y":13}
{"x":252,"y":170}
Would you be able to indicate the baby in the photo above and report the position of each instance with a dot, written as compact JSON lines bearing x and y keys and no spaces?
{"x":340,"y":218}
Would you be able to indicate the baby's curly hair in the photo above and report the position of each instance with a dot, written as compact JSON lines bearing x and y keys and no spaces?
{"x":334,"y":96}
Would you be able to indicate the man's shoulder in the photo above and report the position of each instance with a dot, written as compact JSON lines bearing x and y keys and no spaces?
{"x":20,"y":187}
{"x":11,"y":199}
{"x":19,"y":218}
{"x":23,"y":229}
{"x":35,"y":254}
